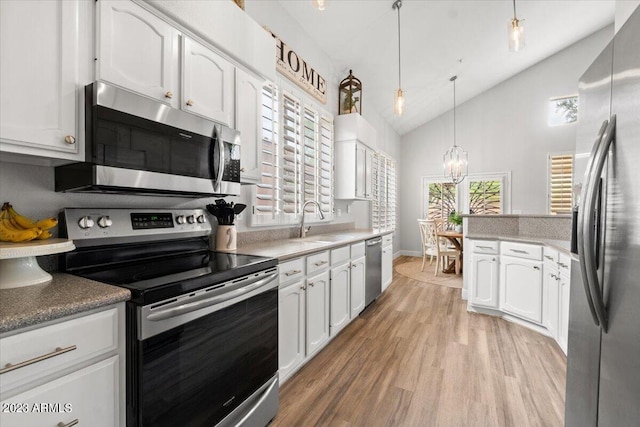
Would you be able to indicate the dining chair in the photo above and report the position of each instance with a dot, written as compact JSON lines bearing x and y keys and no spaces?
{"x":428,"y":236}
{"x":446,"y":251}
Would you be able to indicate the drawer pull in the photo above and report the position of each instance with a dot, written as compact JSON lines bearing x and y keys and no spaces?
{"x":292,"y":272}
{"x":58,"y":351}
{"x":319,"y":263}
{"x":549,"y":257}
{"x":484,"y":247}
{"x":519,"y":251}
{"x":72,"y":423}
{"x":535,"y":267}
{"x":311,"y":284}
{"x":563,"y":265}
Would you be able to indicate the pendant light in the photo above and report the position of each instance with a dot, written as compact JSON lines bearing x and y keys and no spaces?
{"x":319,"y":4}
{"x":516,"y":32}
{"x":455,"y":160}
{"x":399,"y":101}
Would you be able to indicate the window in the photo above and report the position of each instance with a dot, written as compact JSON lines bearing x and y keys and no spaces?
{"x":297,"y":160}
{"x":383,"y":210}
{"x":563,"y":110}
{"x":479,"y":194}
{"x":560,"y":183}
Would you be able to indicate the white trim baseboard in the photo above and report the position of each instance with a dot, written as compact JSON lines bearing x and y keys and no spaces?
{"x":410,"y":253}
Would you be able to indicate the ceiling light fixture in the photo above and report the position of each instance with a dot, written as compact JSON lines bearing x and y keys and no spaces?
{"x":319,"y":4}
{"x":455,"y":160}
{"x":399,"y":102}
{"x":516,"y":32}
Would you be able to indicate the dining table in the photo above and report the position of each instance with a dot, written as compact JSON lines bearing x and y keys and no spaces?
{"x":455,"y":237}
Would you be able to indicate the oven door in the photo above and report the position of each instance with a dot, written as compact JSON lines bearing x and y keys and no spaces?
{"x":199,"y":358}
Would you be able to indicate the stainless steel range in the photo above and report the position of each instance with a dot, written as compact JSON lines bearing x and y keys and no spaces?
{"x":202,"y":326}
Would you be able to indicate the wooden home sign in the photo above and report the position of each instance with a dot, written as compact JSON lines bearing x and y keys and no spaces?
{"x":298,"y":71}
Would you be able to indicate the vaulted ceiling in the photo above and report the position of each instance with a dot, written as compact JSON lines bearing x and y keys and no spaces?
{"x":440,"y":39}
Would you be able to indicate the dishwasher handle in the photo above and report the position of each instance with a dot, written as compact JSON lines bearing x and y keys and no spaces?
{"x":374,"y":242}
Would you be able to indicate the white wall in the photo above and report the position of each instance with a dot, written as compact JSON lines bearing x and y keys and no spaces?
{"x":503,"y":129}
{"x":624,"y":9}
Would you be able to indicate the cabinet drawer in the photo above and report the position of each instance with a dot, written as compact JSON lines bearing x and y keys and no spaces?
{"x":317,"y":262}
{"x":549,"y":254}
{"x":522,"y":250}
{"x":82,"y":338}
{"x":340,"y":255}
{"x":291,"y":271}
{"x":357,"y":250}
{"x":88,"y":395}
{"x":564,"y":263}
{"x":387,"y":240}
{"x":485,"y":247}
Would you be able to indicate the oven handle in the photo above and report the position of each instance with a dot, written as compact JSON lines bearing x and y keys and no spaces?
{"x":251,"y":285}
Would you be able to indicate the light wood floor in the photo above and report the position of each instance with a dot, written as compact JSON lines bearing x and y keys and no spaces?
{"x":416,"y":357}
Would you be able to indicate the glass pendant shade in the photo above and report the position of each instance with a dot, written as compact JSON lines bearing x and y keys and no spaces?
{"x":455,"y":164}
{"x":399,"y":103}
{"x":319,"y":4}
{"x":516,"y":35}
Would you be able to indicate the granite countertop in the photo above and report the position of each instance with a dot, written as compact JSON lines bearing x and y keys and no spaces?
{"x":293,"y":248}
{"x":63,"y":296}
{"x":561,"y":245}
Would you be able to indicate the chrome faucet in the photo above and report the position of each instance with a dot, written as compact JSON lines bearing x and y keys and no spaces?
{"x":303,"y":230}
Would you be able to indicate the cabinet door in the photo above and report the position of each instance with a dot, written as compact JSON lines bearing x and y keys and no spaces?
{"x":339,"y":297}
{"x":39,"y":60}
{"x":368,"y":174}
{"x":357,"y":286}
{"x":563,"y":302}
{"x":521,"y":288}
{"x":550,"y":296}
{"x":361,"y":171}
{"x":249,"y":123}
{"x":137,"y":50}
{"x":484,"y":280}
{"x":88,"y":396}
{"x":207,"y":83}
{"x":317,"y":311}
{"x":291,"y":328}
{"x":387,"y":266}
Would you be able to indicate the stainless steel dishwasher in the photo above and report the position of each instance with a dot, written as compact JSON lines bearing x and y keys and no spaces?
{"x":373,"y":281}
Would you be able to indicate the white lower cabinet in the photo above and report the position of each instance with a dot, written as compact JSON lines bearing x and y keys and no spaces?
{"x":550,"y":302}
{"x":339,"y":295}
{"x":484,"y":280}
{"x":291,"y":327}
{"x":317,"y":290}
{"x":357,"y":285}
{"x":521,"y":288}
{"x":88,"y":396}
{"x":387,"y":266}
{"x":563,"y":321}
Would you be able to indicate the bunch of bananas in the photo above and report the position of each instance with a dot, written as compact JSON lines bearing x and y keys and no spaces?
{"x":18,"y":228}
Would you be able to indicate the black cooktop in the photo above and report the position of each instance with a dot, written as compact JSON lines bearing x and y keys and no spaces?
{"x":161,"y":277}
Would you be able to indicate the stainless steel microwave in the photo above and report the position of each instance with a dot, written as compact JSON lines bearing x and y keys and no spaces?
{"x":136,"y":145}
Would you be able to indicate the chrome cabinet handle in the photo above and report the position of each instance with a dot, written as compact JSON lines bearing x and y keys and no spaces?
{"x":70,"y":139}
{"x":548,"y":257}
{"x":292,"y":272}
{"x":581,"y":219}
{"x":563,"y":265}
{"x":168,"y":95}
{"x":319,"y":263}
{"x":70,"y":424}
{"x":519,"y":251}
{"x":535,"y":267}
{"x":57,"y":352}
{"x":484,"y":247}
{"x":311,"y":284}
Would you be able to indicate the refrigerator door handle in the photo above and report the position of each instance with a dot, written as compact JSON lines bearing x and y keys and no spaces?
{"x":582,"y":214}
{"x":589,"y":205}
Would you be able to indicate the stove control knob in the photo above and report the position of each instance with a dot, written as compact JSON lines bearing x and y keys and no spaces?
{"x":180,"y":219}
{"x":86,"y":222}
{"x":201,"y":219}
{"x":105,"y":222}
{"x":191,"y":219}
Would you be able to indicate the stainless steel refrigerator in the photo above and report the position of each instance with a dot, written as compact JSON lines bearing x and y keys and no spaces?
{"x":603,"y":359}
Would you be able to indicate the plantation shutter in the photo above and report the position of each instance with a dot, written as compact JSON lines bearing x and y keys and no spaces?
{"x":267,"y":203}
{"x":383,"y":213}
{"x":311,"y":135}
{"x":376,"y":205}
{"x":291,"y":159}
{"x":325,"y":166}
{"x":391,"y":195}
{"x":560,"y":183}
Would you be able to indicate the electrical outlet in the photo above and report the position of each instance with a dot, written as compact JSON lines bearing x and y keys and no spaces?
{"x":339,"y":212}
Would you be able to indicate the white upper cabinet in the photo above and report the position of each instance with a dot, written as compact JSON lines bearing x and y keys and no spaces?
{"x":40,"y":54}
{"x":207,"y":83}
{"x":137,"y":50}
{"x":248,"y":122}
